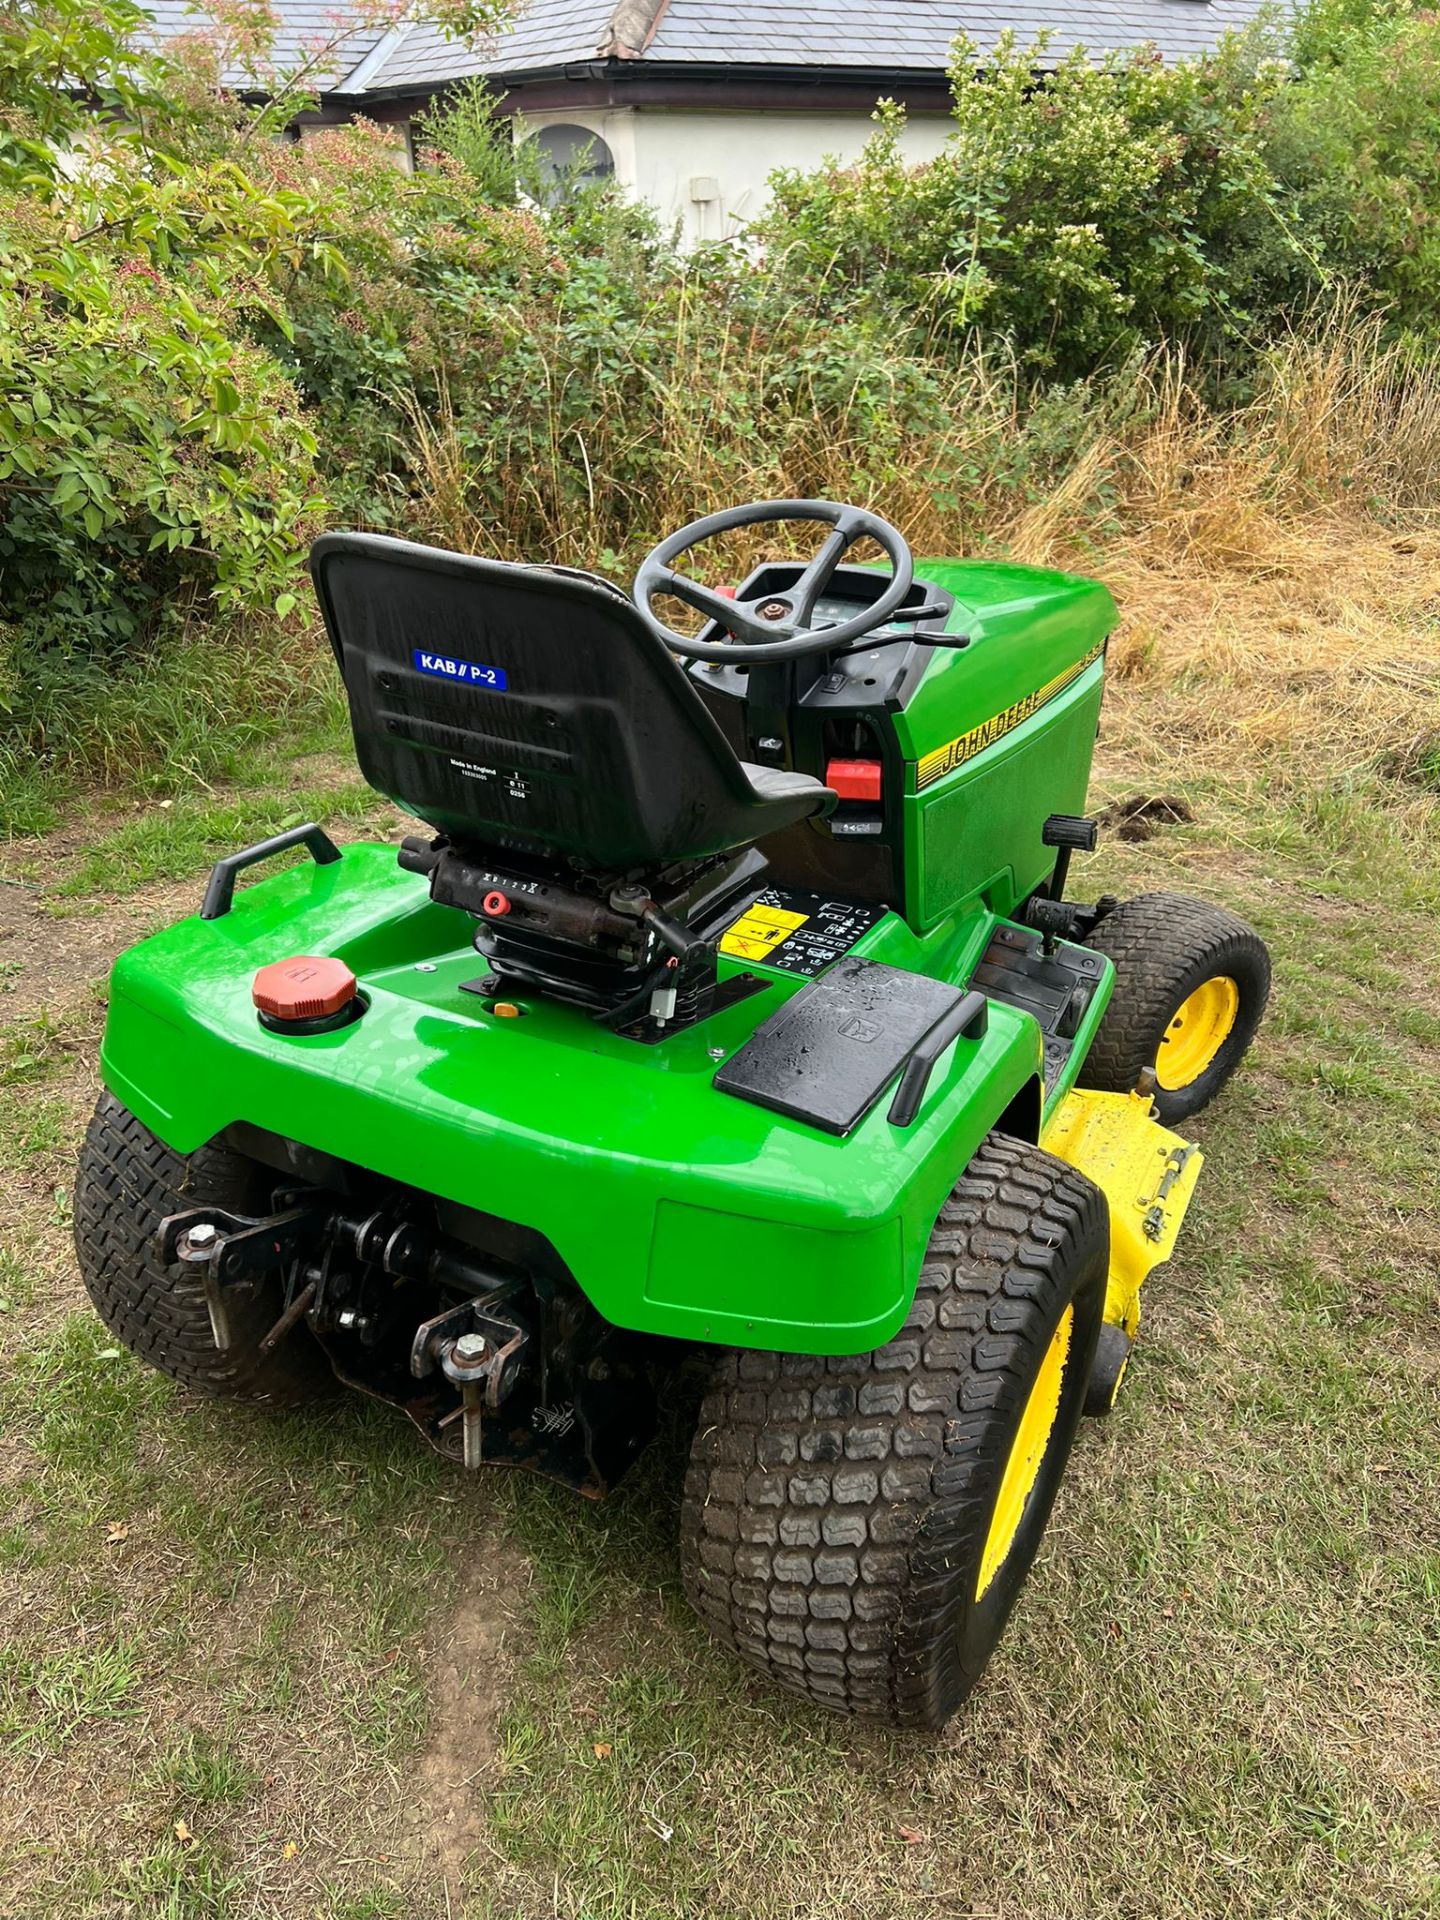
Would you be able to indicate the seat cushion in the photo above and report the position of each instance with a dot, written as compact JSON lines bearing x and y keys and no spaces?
{"x":779,"y":786}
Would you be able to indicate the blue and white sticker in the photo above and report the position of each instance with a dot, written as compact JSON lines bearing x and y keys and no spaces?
{"x":467,"y":672}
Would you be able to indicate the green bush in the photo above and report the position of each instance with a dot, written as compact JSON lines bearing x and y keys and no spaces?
{"x":1353,"y":143}
{"x":1076,"y":220}
{"x":562,"y":383}
{"x":150,"y":450}
{"x":1119,"y":203}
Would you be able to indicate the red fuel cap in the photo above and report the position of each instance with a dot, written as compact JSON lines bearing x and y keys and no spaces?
{"x":305,"y":988}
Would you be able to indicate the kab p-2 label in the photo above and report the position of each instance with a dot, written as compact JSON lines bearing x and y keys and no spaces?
{"x":443,"y":666}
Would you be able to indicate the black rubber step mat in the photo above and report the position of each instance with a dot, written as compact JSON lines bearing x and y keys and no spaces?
{"x":1055,"y":988}
{"x":828,"y":1054}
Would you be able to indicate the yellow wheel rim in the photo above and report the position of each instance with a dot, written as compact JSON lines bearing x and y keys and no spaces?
{"x":1027,"y":1450}
{"x":1198,"y":1028}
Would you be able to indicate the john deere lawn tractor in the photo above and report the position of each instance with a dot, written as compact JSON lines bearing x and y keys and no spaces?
{"x":733,"y":1007}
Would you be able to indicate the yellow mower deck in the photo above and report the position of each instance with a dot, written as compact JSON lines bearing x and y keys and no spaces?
{"x":1146,"y":1173}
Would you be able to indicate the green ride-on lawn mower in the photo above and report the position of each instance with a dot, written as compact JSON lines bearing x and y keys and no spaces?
{"x":785,"y":1049}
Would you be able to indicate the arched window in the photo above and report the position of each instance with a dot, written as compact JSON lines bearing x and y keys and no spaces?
{"x":571,"y":156}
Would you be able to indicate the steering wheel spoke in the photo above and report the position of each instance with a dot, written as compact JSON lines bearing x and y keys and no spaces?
{"x":793,"y":636}
{"x":715,"y":606}
{"x":820,"y":572}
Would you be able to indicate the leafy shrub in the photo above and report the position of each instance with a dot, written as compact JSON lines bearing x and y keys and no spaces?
{"x":1077,"y":219}
{"x":1118,"y":203}
{"x":431,"y":274}
{"x":150,"y":449}
{"x":1352,"y":142}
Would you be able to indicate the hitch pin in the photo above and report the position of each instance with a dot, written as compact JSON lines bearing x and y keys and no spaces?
{"x":296,"y":1310}
{"x":468,"y":1356}
{"x":196,"y":1247}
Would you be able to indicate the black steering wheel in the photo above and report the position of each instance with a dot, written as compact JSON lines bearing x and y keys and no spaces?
{"x":777,"y":627}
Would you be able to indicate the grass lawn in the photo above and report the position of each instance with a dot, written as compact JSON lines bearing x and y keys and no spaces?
{"x":299,"y":1667}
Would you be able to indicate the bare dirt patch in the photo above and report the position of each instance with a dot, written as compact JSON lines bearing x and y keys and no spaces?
{"x":1143,"y":815}
{"x":471,"y":1661}
{"x":47,"y":962}
{"x":54,"y":951}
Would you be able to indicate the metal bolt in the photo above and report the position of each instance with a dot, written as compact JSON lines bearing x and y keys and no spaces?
{"x":424,"y":966}
{"x":470,"y":1346}
{"x":717,"y":1053}
{"x":204,"y":1235}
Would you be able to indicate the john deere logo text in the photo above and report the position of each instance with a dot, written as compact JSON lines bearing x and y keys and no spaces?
{"x":934,"y":766}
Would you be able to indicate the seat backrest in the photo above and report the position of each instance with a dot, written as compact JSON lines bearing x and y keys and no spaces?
{"x":523,"y":708}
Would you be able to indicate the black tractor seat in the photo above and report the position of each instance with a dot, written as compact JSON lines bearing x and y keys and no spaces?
{"x":531,"y":711}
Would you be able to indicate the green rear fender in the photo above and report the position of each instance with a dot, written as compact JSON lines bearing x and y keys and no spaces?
{"x":679,"y":1209}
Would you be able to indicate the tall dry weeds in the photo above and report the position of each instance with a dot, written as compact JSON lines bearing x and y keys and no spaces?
{"x":1277,"y":566}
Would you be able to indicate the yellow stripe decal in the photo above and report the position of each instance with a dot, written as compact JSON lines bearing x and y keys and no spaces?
{"x":934,"y":766}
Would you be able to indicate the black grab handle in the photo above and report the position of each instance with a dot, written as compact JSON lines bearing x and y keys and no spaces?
{"x":220,"y":887}
{"x":970,"y":1015}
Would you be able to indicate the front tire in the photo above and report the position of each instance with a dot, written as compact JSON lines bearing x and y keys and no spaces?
{"x":126,"y":1184}
{"x":1191,"y":983}
{"x":858,"y":1528}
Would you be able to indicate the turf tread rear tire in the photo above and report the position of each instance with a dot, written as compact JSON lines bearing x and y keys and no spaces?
{"x":1164,"y":945}
{"x":126,"y":1184}
{"x":835,"y":1508}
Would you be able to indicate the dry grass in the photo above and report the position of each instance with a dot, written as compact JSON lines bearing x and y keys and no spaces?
{"x":1332,"y":649}
{"x":1254,"y":579}
{"x":1258,"y":581}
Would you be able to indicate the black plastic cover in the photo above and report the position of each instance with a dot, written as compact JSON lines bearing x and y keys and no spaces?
{"x":529,"y":708}
{"x":829,"y":1053}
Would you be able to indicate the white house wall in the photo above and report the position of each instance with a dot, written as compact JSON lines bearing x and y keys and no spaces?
{"x":709,"y":169}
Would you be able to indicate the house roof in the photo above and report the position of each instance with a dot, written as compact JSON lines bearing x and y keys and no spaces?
{"x":821,"y":36}
{"x":305,"y":30}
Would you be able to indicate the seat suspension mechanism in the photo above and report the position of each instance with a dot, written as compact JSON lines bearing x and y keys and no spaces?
{"x":637,"y":951}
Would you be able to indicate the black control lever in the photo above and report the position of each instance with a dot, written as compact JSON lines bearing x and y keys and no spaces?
{"x":931,"y":610}
{"x":1052,"y":919}
{"x":1071,"y":834}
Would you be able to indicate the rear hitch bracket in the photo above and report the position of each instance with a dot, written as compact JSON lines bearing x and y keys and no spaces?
{"x":233,"y":1250}
{"x":479,"y":1351}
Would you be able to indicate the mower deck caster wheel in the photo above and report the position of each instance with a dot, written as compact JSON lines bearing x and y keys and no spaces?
{"x":858,"y":1527}
{"x":126,"y":1184}
{"x":1107,"y":1372}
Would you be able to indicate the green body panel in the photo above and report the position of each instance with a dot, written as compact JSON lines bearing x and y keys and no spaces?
{"x":973,"y":832}
{"x":1026,"y":626}
{"x":976,"y":831}
{"x":678,"y":1209}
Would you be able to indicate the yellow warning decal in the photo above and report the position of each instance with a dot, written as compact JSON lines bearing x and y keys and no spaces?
{"x":759,"y":930}
{"x":933,"y":766}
